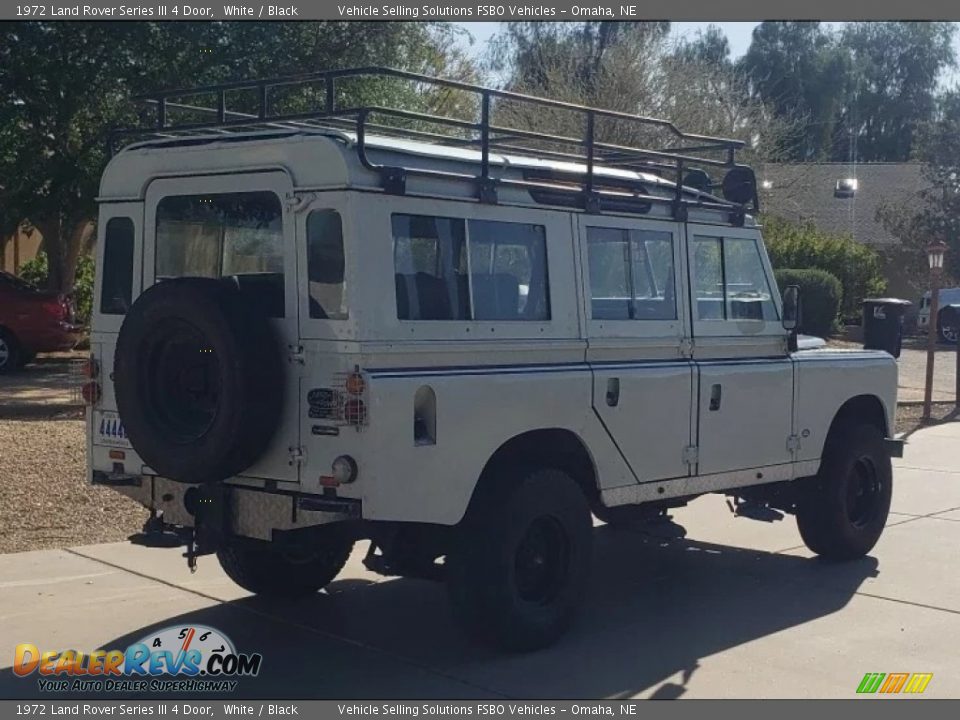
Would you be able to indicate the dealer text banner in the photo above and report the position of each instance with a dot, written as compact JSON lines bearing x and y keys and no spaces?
{"x":467,"y":11}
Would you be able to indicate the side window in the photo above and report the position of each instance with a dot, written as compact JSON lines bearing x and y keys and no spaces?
{"x":730,"y":280}
{"x":508,"y":271}
{"x":239,"y":235}
{"x":325,"y":265}
{"x":631,"y":274}
{"x":430,"y":268}
{"x":452,"y":269}
{"x":116,"y":291}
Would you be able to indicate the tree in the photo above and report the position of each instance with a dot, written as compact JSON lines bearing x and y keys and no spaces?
{"x":934,"y":213}
{"x":801,"y":73}
{"x":893,"y":90}
{"x":63,"y":85}
{"x":628,"y":67}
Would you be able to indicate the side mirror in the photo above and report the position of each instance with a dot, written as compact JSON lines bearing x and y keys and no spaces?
{"x":791,"y":307}
{"x":791,"y":314}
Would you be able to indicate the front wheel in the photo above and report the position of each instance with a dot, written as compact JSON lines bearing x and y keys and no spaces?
{"x":519,"y":566}
{"x":843,"y":510}
{"x":267,"y":569}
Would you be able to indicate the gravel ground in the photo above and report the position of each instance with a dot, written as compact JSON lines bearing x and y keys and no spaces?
{"x":45,"y":501}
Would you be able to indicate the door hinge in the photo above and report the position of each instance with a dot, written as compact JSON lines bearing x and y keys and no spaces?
{"x":296,"y":354}
{"x":793,"y":443}
{"x":686,"y":347}
{"x":691,"y":455}
{"x":297,"y":203}
{"x":297,"y":456}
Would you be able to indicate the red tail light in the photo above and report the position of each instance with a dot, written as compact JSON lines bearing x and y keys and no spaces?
{"x":91,"y":392}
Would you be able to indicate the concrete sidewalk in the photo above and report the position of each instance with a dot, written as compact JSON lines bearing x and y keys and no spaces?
{"x":738,"y":609}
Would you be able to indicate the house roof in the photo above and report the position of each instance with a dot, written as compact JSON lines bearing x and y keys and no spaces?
{"x":806,"y":192}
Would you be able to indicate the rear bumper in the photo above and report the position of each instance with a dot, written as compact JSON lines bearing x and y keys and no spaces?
{"x":252,"y":513}
{"x":62,"y":336}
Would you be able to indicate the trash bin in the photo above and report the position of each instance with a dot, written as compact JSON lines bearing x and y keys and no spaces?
{"x":883,"y":324}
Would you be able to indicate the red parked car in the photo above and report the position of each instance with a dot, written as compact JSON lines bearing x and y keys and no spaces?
{"x":32,"y":321}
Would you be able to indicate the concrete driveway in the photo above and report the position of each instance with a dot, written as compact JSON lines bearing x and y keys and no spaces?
{"x":738,"y":609}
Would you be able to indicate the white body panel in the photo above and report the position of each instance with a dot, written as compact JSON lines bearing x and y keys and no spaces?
{"x":493,"y":380}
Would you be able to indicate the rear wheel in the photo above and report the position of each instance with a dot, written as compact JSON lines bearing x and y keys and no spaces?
{"x":518,"y":569}
{"x":9,"y":352}
{"x":267,"y":569}
{"x":843,"y":510}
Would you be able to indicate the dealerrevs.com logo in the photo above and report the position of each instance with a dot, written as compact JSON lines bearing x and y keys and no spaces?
{"x":195,"y":658}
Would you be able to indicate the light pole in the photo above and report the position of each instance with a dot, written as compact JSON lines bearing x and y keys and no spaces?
{"x":935,"y":253}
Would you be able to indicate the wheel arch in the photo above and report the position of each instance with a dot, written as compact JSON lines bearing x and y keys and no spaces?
{"x":556,"y":448}
{"x":862,"y":407}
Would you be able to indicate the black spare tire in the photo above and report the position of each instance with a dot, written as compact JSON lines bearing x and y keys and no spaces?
{"x":198,"y":377}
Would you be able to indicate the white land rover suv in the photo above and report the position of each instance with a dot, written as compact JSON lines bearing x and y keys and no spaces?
{"x":455,"y":339}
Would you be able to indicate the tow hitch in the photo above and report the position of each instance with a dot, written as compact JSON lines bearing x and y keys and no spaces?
{"x":208,"y":506}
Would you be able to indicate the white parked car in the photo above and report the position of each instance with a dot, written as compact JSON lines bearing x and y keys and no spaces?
{"x":947,"y":329}
{"x":317,"y":328}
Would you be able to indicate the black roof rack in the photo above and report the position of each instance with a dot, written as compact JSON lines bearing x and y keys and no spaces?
{"x":682,"y":160}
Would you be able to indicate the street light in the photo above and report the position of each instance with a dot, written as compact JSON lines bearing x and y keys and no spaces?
{"x":935,"y":253}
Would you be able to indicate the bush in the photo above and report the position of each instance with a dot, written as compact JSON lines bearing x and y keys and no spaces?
{"x":35,"y":272}
{"x":856,"y":266}
{"x":820,"y":298}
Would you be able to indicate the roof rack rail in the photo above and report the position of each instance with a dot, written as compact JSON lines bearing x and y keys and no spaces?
{"x":682,"y":160}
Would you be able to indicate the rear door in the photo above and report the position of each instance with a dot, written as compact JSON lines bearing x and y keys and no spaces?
{"x":637,"y":325}
{"x":241,"y":226}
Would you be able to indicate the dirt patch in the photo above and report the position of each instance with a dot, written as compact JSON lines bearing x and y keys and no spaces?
{"x":910,"y":417}
{"x":45,"y":500}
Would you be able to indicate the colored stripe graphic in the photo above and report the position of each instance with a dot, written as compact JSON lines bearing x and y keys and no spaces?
{"x":894,"y":682}
{"x":870,"y":682}
{"x":918,"y":682}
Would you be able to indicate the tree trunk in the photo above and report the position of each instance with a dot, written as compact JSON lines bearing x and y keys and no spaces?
{"x":63,"y":250}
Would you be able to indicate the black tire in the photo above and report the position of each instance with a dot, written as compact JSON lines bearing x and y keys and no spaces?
{"x":10,"y":352}
{"x":198,"y":376}
{"x":270,"y":570}
{"x":519,"y":566}
{"x":843,"y":510}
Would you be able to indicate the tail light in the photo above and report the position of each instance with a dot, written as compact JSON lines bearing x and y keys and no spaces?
{"x":91,"y":392}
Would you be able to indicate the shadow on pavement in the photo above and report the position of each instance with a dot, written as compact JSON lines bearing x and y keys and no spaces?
{"x":655,"y":609}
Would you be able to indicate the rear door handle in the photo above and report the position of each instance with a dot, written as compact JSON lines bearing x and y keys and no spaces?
{"x":613,"y":391}
{"x":716,"y":395}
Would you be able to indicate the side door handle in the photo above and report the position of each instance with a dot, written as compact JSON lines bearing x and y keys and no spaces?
{"x":716,"y":395}
{"x":613,"y":391}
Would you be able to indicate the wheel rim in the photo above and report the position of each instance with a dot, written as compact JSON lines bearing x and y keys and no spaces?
{"x":949,"y":333}
{"x":4,"y":352}
{"x":864,"y":492}
{"x":184,"y":381}
{"x":542,"y":561}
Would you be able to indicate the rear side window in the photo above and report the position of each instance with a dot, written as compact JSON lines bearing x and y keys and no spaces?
{"x":237,"y":235}
{"x":453,"y":269}
{"x":631,"y":274}
{"x":117,"y":287}
{"x":325,"y":265}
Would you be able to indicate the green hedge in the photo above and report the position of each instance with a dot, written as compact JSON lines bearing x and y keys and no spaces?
{"x":35,"y":271}
{"x":820,"y":294}
{"x":856,"y":266}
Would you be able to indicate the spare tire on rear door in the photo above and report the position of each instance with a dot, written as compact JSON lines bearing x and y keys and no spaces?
{"x":198,"y":376}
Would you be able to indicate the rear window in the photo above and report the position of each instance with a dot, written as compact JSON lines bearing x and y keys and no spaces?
{"x":325,"y":265}
{"x":453,"y":269}
{"x":117,"y":287}
{"x":237,"y":235}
